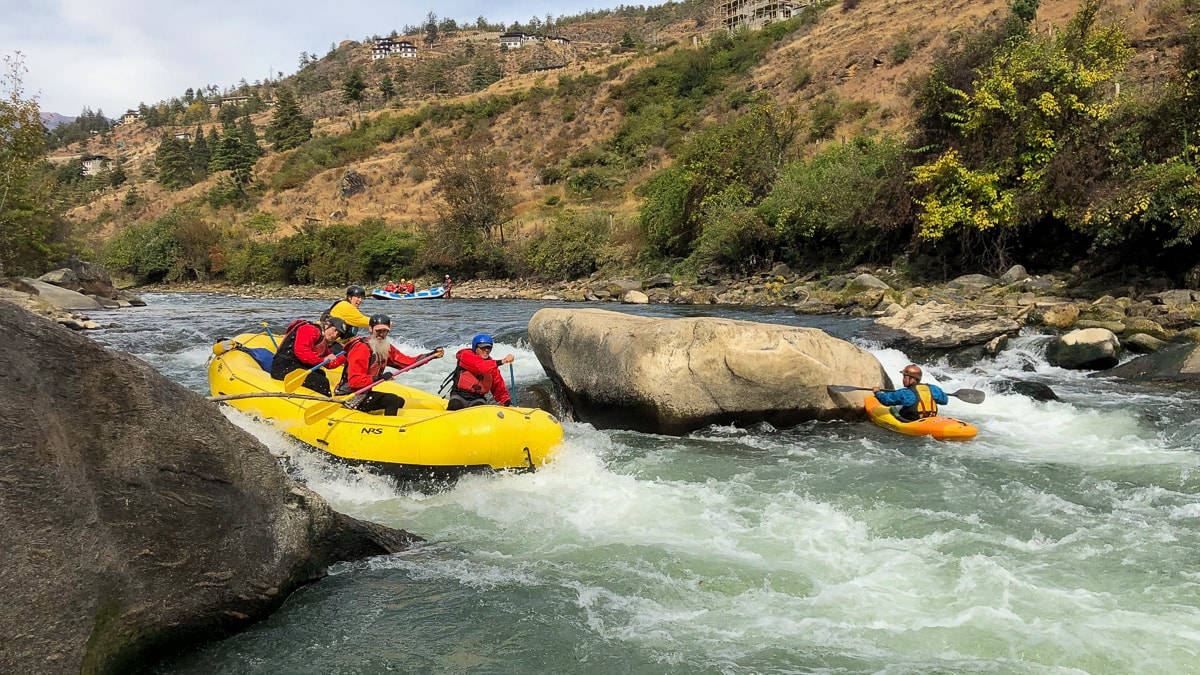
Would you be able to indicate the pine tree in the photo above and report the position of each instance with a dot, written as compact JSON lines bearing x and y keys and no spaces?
{"x":289,"y":128}
{"x":201,"y":154}
{"x":353,"y":87}
{"x":174,"y":163}
{"x":386,"y":88}
{"x":250,"y":148}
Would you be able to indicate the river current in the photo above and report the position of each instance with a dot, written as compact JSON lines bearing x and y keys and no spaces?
{"x":1063,"y":539}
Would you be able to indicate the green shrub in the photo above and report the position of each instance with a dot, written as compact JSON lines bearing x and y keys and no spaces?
{"x":569,"y":250}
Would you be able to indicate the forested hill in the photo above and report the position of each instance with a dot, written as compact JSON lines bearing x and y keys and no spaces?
{"x":961,"y":135}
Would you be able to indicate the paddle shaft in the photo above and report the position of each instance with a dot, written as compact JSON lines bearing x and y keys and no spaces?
{"x":294,"y":379}
{"x":271,"y":335}
{"x":512,"y":383}
{"x":967,"y":395}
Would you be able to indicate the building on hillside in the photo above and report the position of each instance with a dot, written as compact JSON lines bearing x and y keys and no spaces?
{"x":386,"y":47}
{"x":183,"y":136}
{"x":129,"y":117}
{"x":227,"y":100}
{"x":559,"y":40}
{"x":516,"y":40}
{"x":755,"y":14}
{"x":94,"y":164}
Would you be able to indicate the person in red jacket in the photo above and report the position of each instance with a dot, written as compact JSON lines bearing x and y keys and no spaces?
{"x":305,"y":345}
{"x":366,"y":359}
{"x":478,"y":375}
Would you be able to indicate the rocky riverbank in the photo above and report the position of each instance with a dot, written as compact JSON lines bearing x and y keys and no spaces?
{"x":1047,"y":301}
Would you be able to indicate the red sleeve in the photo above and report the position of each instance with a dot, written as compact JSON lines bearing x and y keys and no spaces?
{"x":358,"y":360}
{"x":396,"y":359}
{"x":307,"y":337}
{"x":499,"y":390}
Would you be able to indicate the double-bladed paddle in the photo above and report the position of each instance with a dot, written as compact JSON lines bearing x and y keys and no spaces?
{"x":294,"y":379}
{"x":968,"y":395}
{"x":320,"y":411}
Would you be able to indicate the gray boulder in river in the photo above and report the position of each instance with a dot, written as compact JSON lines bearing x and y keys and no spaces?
{"x":138,"y":521}
{"x":674,"y":376}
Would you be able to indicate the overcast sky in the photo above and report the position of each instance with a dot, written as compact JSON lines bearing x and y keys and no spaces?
{"x":114,"y":54}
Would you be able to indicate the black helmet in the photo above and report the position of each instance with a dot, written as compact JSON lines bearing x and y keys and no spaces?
{"x":342,"y":329}
{"x":381,"y":320}
{"x":356,"y":291}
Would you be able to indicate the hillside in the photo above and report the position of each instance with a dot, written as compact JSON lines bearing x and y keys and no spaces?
{"x":861,"y":58}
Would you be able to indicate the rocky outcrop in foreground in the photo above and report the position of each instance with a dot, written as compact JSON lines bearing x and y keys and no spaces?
{"x":673,"y":376}
{"x":138,"y":521}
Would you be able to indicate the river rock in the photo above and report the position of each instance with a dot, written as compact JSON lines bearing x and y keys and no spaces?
{"x":1014,"y":274}
{"x":60,"y":298}
{"x":1140,"y":343}
{"x":139,"y":521}
{"x":674,"y":376}
{"x":1178,"y":362}
{"x":663,"y":280}
{"x":1084,"y":349}
{"x":936,"y":326}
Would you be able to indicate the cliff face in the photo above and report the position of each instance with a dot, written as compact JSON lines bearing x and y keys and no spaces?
{"x":867,"y":59}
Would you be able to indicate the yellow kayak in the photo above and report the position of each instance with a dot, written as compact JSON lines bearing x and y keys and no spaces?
{"x":423,"y":440}
{"x":942,"y":428}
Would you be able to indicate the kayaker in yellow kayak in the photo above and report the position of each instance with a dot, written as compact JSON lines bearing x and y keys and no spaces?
{"x":914,"y":400}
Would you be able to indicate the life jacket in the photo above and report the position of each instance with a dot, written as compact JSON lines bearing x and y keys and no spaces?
{"x":923,"y":408}
{"x":374,"y":366}
{"x":466,"y":383}
{"x":285,"y":357}
{"x":329,"y":312}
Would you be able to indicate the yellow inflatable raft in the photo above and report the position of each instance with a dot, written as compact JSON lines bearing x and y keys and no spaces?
{"x":423,"y":441}
{"x":942,"y":428}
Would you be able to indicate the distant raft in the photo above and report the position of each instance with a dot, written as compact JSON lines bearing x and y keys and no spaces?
{"x":941,"y":428}
{"x":423,"y":441}
{"x":435,"y":292}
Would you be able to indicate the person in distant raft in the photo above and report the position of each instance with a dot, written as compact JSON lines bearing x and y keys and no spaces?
{"x":366,"y":358}
{"x":478,"y":375}
{"x":347,"y":310}
{"x":305,"y":345}
{"x":915,"y":400}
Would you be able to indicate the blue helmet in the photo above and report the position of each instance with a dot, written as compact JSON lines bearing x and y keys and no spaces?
{"x":481,"y":339}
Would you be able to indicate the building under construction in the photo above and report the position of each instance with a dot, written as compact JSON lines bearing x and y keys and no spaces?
{"x":755,"y":14}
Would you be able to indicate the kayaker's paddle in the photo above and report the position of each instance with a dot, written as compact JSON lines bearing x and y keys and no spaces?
{"x":320,"y":411}
{"x":271,"y":335}
{"x":968,"y":395}
{"x":293,"y":380}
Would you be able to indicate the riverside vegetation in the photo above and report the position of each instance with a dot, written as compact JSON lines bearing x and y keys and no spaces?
{"x":721,"y":156}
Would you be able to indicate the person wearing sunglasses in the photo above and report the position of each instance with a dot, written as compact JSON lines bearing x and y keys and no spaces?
{"x":914,"y":400}
{"x":477,"y":376}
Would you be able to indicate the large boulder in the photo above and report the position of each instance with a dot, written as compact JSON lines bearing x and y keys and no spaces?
{"x":138,"y":521}
{"x":92,"y":278}
{"x":1173,"y":363}
{"x":58,"y":297}
{"x":1084,"y":349}
{"x":934,"y":327}
{"x":673,"y":376}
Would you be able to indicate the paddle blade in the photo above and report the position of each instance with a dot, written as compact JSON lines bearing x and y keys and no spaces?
{"x":316,"y":413}
{"x":293,"y":380}
{"x":969,"y":395}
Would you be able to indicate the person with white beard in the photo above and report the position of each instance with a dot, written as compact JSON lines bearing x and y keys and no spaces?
{"x":366,"y":359}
